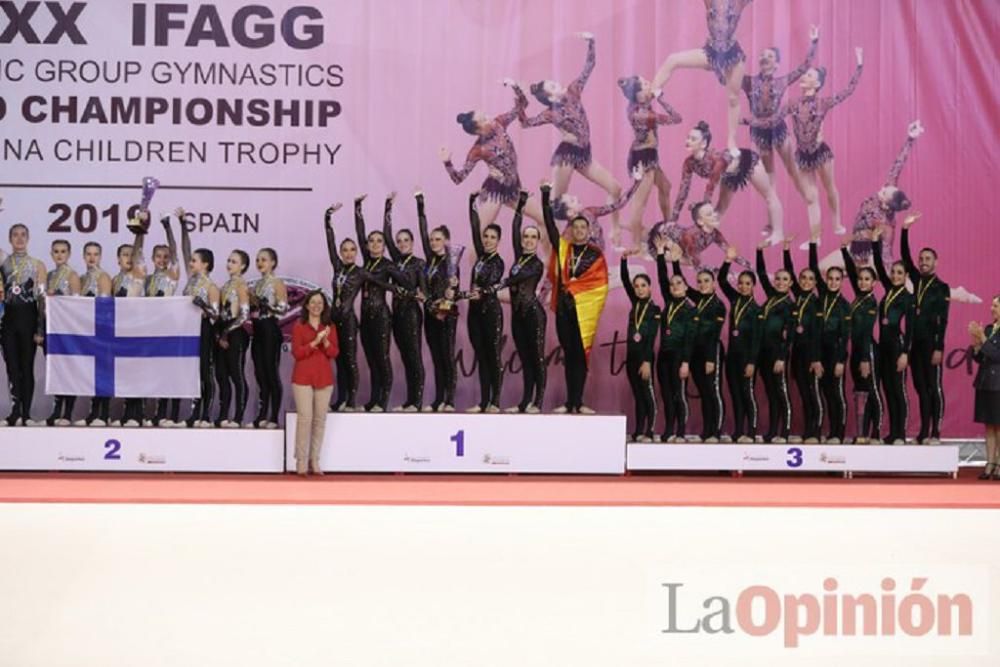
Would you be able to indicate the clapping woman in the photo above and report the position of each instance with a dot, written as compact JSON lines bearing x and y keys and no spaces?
{"x":986,"y":346}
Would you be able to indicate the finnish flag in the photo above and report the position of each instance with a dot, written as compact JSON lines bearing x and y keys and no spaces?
{"x":130,"y":348}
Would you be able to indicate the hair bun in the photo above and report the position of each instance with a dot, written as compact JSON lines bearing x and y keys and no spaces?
{"x":702,"y":125}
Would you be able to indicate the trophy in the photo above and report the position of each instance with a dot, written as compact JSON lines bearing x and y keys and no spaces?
{"x":442,"y":307}
{"x":149,"y":186}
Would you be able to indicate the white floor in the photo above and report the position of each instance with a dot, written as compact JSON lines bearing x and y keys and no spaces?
{"x":179,"y":585}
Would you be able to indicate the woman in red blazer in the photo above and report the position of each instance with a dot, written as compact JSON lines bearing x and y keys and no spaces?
{"x":314,"y":345}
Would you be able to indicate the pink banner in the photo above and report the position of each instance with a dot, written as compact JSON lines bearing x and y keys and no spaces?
{"x":404,"y":70}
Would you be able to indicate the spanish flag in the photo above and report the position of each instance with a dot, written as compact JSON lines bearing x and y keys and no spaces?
{"x":589,"y":291}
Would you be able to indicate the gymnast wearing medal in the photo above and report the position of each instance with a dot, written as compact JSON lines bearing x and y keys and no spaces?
{"x":835,"y":321}
{"x":347,"y":280}
{"x":61,"y":281}
{"x":130,"y":282}
{"x":269,"y":301}
{"x":643,"y":325}
{"x":204,"y":294}
{"x":744,"y":348}
{"x":376,"y":319}
{"x":408,"y":275}
{"x":777,"y":318}
{"x":894,"y":339}
{"x":579,"y":274}
{"x":485,"y":314}
{"x":163,"y":281}
{"x":707,"y":352}
{"x":94,"y":283}
{"x":864,"y":367}
{"x":676,"y":340}
{"x":233,"y":340}
{"x":932,"y":298}
{"x":440,"y":309}
{"x":527,"y":314}
{"x":23,"y":280}
{"x":807,"y":365}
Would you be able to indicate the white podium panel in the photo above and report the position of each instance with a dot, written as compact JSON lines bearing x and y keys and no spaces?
{"x":469,"y":443}
{"x":142,"y":449}
{"x":795,"y":458}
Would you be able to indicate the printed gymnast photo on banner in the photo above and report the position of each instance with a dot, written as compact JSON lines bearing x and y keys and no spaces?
{"x":655,"y":255}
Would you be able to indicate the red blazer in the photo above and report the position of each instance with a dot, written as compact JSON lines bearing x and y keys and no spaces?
{"x":312,"y":364}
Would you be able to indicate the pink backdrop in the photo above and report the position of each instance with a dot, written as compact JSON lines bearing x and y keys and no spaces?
{"x":924,"y":59}
{"x":410,"y":66}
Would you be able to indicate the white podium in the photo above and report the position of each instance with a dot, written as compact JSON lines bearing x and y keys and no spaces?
{"x":469,"y":443}
{"x":142,"y":449}
{"x":795,"y":458}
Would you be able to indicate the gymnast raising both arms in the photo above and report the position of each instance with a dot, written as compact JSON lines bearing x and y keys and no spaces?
{"x":864,"y":367}
{"x":764,"y":91}
{"x":408,"y":274}
{"x":734,"y":174}
{"x":376,"y":319}
{"x":494,"y":147}
{"x":722,"y":55}
{"x":644,"y":151}
{"x":677,"y":331}
{"x":812,"y":155}
{"x":565,"y":111}
{"x":527,"y":314}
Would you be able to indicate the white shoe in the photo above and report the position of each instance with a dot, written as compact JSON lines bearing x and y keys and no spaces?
{"x":447,"y":408}
{"x":644,"y":439}
{"x":532,"y":409}
{"x":347,"y":408}
{"x":561,"y":410}
{"x":758,"y":440}
{"x":32,"y":422}
{"x":131,"y":423}
{"x":897,"y":441}
{"x":656,"y":438}
{"x":584,"y":410}
{"x":410,"y":408}
{"x":167,"y":423}
{"x":711,"y":441}
{"x":745,"y":440}
{"x":116,"y":423}
{"x":833,"y":441}
{"x":811,"y":441}
{"x":270,"y":425}
{"x":671,"y":439}
{"x":795,"y":439}
{"x":778,"y":441}
{"x":376,"y":408}
{"x":398,"y":408}
{"x":726,"y":439}
{"x":78,"y":422}
{"x":475,"y":409}
{"x":62,"y":422}
{"x":513,"y":410}
{"x":98,"y":423}
{"x":427,"y":408}
{"x":203,"y":424}
{"x":492,"y":409}
{"x":933,"y":441}
{"x":229,"y":424}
